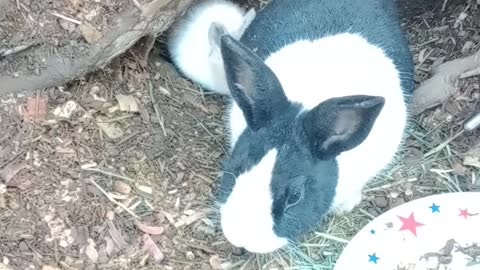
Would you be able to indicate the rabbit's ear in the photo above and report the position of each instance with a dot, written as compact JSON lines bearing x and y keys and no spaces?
{"x":252,"y":84}
{"x":247,"y":20}
{"x":215,"y":32}
{"x":340,"y":124}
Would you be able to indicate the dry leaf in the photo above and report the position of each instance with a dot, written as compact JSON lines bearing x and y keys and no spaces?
{"x":90,"y":250}
{"x":153,"y":230}
{"x":9,"y":171}
{"x":90,"y":33}
{"x":152,"y":248}
{"x":111,"y":130}
{"x":34,"y":110}
{"x":127,"y":103}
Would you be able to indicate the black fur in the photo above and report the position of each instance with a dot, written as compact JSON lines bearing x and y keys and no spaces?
{"x":326,"y":138}
{"x":284,"y":21}
{"x":274,"y":123}
{"x":255,"y":87}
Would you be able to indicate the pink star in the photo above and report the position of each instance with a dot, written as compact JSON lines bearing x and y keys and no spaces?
{"x":464,"y":213}
{"x":410,"y":224}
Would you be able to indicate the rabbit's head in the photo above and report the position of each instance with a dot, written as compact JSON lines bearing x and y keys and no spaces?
{"x":280,"y":177}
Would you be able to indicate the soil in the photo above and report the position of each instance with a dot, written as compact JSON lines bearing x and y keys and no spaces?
{"x":73,"y":157}
{"x":50,"y":26}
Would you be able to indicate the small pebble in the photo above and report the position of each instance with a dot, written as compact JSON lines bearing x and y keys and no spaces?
{"x":190,"y":256}
{"x":122,"y":187}
{"x":394,"y":194}
{"x":381,"y":202}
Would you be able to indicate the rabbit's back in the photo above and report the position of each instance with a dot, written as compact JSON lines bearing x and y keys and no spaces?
{"x":283,"y":22}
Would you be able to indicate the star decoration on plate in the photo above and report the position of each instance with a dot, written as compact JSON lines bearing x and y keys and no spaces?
{"x":372,"y":231}
{"x":464,"y":213}
{"x":373,"y":258}
{"x":435,"y":208}
{"x":410,"y":224}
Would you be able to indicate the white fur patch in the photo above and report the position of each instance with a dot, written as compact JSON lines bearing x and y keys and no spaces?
{"x":189,"y":43}
{"x":246,"y":216}
{"x":341,"y":65}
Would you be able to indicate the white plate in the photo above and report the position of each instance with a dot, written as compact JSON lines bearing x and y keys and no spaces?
{"x":402,"y":237}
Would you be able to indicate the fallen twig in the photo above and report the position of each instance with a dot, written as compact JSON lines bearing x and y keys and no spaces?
{"x":109,"y":174}
{"x":66,"y":18}
{"x":208,"y":131}
{"x":5,"y":52}
{"x":331,"y":237}
{"x":363,"y":211}
{"x":443,"y":145}
{"x":112,"y":199}
{"x":155,"y":107}
{"x":137,"y":4}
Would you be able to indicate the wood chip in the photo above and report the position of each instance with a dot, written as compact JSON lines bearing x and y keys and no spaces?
{"x":117,"y":237}
{"x":90,"y":33}
{"x":110,"y":247}
{"x":127,"y":103}
{"x":66,"y":110}
{"x":152,"y":248}
{"x":47,"y":267}
{"x":471,"y":161}
{"x":111,"y":130}
{"x":145,"y":189}
{"x":91,"y":251}
{"x":153,"y":230}
{"x":34,"y":110}
{"x":12,"y":169}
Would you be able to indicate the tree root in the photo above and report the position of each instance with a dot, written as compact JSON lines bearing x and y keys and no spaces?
{"x":153,"y":18}
{"x":444,"y":81}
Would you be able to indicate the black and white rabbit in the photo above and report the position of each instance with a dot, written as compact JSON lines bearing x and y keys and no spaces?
{"x":319,"y":107}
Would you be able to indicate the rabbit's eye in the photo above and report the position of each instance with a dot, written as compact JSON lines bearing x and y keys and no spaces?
{"x":295,"y":196}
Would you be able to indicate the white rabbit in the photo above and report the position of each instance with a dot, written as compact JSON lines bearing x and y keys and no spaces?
{"x":194,"y":40}
{"x":319,"y":107}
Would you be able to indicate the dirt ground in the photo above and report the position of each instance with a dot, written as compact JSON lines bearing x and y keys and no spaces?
{"x":78,"y":162}
{"x":52,"y":27}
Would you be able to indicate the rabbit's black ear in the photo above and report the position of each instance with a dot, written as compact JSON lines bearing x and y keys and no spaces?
{"x":340,"y":124}
{"x":252,"y":84}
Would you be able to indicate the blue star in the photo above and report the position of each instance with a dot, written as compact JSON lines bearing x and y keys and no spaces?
{"x":435,"y":208}
{"x":373,"y":258}
{"x":372,"y":231}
